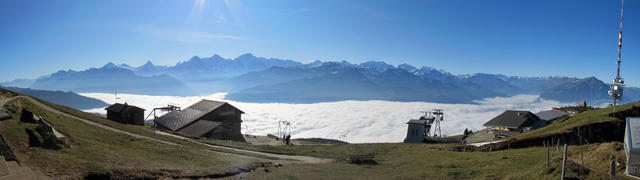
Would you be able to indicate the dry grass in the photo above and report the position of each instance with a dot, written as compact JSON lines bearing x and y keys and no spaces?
{"x":98,"y":151}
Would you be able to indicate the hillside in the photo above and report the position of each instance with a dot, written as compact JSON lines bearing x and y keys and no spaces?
{"x":594,"y":126}
{"x":589,"y":89}
{"x":69,"y":99}
{"x":112,"y":78}
{"x":96,"y":152}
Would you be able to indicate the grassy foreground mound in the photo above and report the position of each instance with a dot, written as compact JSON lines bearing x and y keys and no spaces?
{"x":437,"y":161}
{"x":593,"y":126}
{"x":95,"y":151}
{"x":598,"y":116}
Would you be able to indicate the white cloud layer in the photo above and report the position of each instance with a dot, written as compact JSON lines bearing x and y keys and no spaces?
{"x":358,"y":121}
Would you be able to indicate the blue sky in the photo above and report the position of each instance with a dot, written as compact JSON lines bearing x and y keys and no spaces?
{"x":527,"y":38}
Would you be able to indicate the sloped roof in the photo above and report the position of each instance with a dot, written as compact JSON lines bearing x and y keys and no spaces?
{"x":512,"y":119}
{"x":177,"y":119}
{"x":199,"y":128}
{"x":550,"y":115}
{"x":117,"y":107}
{"x":415,"y":121}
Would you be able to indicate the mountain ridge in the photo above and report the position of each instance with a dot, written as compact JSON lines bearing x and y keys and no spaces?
{"x":403,"y":82}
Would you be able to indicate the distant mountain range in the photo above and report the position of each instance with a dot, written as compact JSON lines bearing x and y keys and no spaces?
{"x":68,"y":99}
{"x":112,"y":78}
{"x":256,"y":79}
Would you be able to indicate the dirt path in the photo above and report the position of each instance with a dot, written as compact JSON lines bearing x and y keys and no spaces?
{"x":305,"y":159}
{"x":5,"y":100}
{"x":299,"y":159}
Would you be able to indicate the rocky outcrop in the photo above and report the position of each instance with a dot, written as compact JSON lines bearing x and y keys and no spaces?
{"x":27,"y":116}
{"x":51,"y":139}
{"x":6,"y":151}
{"x":4,"y":115}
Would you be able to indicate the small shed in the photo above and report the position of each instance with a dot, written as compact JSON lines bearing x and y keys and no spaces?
{"x":416,"y":131}
{"x":125,"y":113}
{"x":206,"y":118}
{"x":511,"y":120}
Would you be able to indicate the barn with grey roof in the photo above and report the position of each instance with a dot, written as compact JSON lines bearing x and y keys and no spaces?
{"x":511,"y":120}
{"x":206,"y":118}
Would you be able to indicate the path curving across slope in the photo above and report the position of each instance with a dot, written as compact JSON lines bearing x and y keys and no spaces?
{"x":288,"y":158}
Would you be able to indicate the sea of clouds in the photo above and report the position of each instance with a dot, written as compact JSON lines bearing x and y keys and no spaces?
{"x":352,"y":121}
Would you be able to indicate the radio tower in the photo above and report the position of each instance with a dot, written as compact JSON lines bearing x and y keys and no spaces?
{"x":616,"y":87}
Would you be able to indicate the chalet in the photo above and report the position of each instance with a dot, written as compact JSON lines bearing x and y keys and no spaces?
{"x":126,"y":114}
{"x":551,"y":115}
{"x":515,"y":121}
{"x":206,"y":118}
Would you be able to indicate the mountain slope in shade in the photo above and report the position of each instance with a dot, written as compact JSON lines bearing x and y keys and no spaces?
{"x":68,"y":99}
{"x":111,"y":78}
{"x":589,"y":89}
{"x":422,"y":88}
{"x":537,"y":85}
{"x":352,"y":84}
{"x":493,"y":82}
{"x":631,"y":94}
{"x":344,"y":85}
{"x":402,"y":83}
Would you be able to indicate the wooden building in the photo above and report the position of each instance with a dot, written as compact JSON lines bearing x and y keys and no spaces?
{"x":206,"y":118}
{"x":515,"y":121}
{"x":126,"y":114}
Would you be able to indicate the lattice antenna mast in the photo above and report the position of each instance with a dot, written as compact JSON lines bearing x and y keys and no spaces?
{"x":439,"y":116}
{"x":284,"y":128}
{"x":620,"y":39}
{"x":616,"y":87}
{"x":429,"y":119}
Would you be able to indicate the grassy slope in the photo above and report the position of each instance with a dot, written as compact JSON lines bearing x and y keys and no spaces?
{"x":140,"y":130}
{"x":98,"y":150}
{"x":580,"y":119}
{"x":421,"y":161}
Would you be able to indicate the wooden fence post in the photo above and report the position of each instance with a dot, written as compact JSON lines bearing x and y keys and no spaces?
{"x":612,"y":171}
{"x":548,"y":157}
{"x":564,"y":161}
